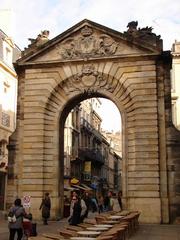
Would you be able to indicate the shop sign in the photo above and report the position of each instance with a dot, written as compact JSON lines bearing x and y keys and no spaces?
{"x":87,"y":167}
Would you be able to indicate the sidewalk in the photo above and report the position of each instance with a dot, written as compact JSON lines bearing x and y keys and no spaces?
{"x":157,"y":232}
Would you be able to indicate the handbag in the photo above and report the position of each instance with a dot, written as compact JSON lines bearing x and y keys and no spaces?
{"x":11,"y":217}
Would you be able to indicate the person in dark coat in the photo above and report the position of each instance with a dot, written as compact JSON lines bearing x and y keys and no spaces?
{"x":120,"y":199}
{"x":106,"y":203}
{"x":17,"y":226}
{"x":87,"y":201}
{"x":75,"y":217}
{"x":46,"y":207}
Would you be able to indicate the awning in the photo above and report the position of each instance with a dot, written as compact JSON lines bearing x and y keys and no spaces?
{"x":79,"y":187}
{"x":85,"y":186}
{"x":69,"y":188}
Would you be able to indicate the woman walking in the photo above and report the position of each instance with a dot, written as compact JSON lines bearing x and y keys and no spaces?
{"x":16,"y":225}
{"x":46,"y":207}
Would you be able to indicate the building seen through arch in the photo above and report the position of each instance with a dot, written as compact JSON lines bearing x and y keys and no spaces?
{"x":89,"y":156}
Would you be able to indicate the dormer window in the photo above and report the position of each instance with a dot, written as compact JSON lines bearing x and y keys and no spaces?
{"x":8,"y":55}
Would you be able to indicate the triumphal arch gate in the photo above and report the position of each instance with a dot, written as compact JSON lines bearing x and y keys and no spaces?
{"x":90,"y":60}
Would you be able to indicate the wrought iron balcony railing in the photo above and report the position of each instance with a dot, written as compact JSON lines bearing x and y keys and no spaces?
{"x":91,"y":154}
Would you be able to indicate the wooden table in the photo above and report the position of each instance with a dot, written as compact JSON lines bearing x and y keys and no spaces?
{"x":103,"y":225}
{"x":115,"y":218}
{"x":111,"y":222}
{"x":82,"y":238}
{"x":89,"y":233}
{"x":100,"y":229}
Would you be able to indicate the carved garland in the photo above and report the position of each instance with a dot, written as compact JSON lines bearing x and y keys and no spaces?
{"x":89,"y":81}
{"x":88,"y":45}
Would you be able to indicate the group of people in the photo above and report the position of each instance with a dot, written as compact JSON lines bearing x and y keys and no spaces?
{"x":80,"y":205}
{"x":20,"y":221}
{"x":79,"y":209}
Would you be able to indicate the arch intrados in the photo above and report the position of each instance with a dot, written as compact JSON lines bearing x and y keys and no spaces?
{"x":75,"y":97}
{"x":76,"y":100}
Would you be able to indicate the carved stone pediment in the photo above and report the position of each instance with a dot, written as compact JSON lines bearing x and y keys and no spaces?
{"x":88,"y":44}
{"x":87,"y":40}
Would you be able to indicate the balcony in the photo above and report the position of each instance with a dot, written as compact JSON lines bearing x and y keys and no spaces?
{"x":89,"y":128}
{"x":91,"y":154}
{"x":86,"y":125}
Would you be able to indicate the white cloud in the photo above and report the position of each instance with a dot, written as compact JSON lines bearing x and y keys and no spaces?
{"x":30,"y":17}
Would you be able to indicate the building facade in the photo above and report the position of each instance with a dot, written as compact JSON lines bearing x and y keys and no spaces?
{"x":175,"y":84}
{"x":88,"y":156}
{"x":9,"y":52}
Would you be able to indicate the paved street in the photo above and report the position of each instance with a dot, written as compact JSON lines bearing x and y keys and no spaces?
{"x":145,"y":232}
{"x":157,"y":232}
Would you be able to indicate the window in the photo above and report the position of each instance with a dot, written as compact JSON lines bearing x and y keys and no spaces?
{"x":5,"y":119}
{"x":7,"y":52}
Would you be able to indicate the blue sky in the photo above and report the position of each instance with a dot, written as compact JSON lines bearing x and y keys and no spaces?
{"x":29,"y":17}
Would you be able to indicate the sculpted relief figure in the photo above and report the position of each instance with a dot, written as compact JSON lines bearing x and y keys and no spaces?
{"x":142,"y":34}
{"x":132,"y":27}
{"x":41,"y":38}
{"x":88,"y":45}
{"x":107,"y":45}
{"x":37,"y":42}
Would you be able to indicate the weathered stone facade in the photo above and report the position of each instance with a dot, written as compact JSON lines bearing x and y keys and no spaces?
{"x":90,"y":60}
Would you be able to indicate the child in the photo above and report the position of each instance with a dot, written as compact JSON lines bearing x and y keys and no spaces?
{"x":27,"y":225}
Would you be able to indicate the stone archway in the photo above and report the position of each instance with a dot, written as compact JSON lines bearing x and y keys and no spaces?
{"x":91,"y":60}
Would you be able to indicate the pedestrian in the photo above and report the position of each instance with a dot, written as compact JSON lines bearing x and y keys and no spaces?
{"x":106,"y":203}
{"x":87,"y":201}
{"x":83,"y":209}
{"x":82,"y":204}
{"x":75,"y":212}
{"x":16,"y":225}
{"x":111,"y":201}
{"x":46,"y":207}
{"x":27,"y":225}
{"x":100,"y":204}
{"x":120,"y":200}
{"x":94,"y":204}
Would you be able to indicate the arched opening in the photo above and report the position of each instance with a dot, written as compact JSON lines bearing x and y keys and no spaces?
{"x":92,"y":151}
{"x":93,"y":159}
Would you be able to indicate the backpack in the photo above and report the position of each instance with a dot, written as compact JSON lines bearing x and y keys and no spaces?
{"x":11,"y":217}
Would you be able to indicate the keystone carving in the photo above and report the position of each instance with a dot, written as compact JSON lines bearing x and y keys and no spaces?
{"x":88,"y":45}
{"x":89,"y":80}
